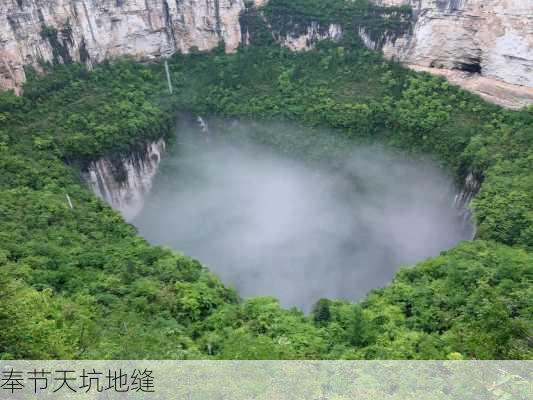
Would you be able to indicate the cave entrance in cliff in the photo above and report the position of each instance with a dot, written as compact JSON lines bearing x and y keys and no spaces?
{"x":281,"y":210}
{"x":473,"y":67}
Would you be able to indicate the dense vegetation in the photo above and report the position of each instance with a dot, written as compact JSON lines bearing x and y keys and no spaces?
{"x":295,"y":17}
{"x":79,"y":283}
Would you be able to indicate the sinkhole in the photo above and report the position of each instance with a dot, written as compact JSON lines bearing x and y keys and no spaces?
{"x":297,"y":213}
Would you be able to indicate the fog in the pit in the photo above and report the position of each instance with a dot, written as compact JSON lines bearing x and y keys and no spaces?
{"x":273,"y":226}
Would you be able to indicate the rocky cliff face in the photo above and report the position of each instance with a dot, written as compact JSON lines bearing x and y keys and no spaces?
{"x":314,"y":33}
{"x":485,"y":46}
{"x":124,"y":183}
{"x":33,"y":32}
{"x":462,"y":201}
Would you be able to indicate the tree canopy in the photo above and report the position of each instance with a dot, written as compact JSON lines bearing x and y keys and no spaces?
{"x":80,"y":282}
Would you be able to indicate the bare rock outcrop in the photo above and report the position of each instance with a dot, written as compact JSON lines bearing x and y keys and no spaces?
{"x":314,"y":33}
{"x":486,"y":46}
{"x":33,"y":32}
{"x":125,"y":182}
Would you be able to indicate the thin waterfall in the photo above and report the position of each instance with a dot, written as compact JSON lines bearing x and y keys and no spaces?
{"x":463,"y":199}
{"x":204,"y":127}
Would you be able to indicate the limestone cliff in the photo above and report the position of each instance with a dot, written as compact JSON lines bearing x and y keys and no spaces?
{"x":314,"y":33}
{"x":33,"y":32}
{"x":462,"y":200}
{"x":485,"y":46}
{"x":124,"y":183}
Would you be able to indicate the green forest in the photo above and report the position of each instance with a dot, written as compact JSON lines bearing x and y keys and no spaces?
{"x":79,"y":283}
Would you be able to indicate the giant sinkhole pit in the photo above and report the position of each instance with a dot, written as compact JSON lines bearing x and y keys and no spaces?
{"x":297,"y":213}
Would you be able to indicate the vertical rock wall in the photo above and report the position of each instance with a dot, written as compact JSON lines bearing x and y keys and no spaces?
{"x":315,"y":32}
{"x":124,"y":183}
{"x":33,"y":32}
{"x":462,"y":201}
{"x":486,"y":46}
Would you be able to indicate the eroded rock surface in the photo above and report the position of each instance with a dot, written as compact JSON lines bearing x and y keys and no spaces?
{"x":124,"y":182}
{"x":486,"y":46}
{"x":90,"y":31}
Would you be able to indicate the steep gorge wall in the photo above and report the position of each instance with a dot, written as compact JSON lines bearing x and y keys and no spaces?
{"x":493,"y":37}
{"x":33,"y":32}
{"x":486,"y":46}
{"x":124,"y":182}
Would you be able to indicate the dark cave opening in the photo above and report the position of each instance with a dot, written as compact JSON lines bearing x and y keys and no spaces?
{"x":473,"y":67}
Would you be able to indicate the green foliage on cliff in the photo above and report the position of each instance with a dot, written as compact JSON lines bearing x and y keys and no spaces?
{"x":82,"y":116}
{"x":365,"y":98}
{"x":465,"y":301}
{"x":503,"y":151}
{"x":292,"y":18}
{"x":79,"y":283}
